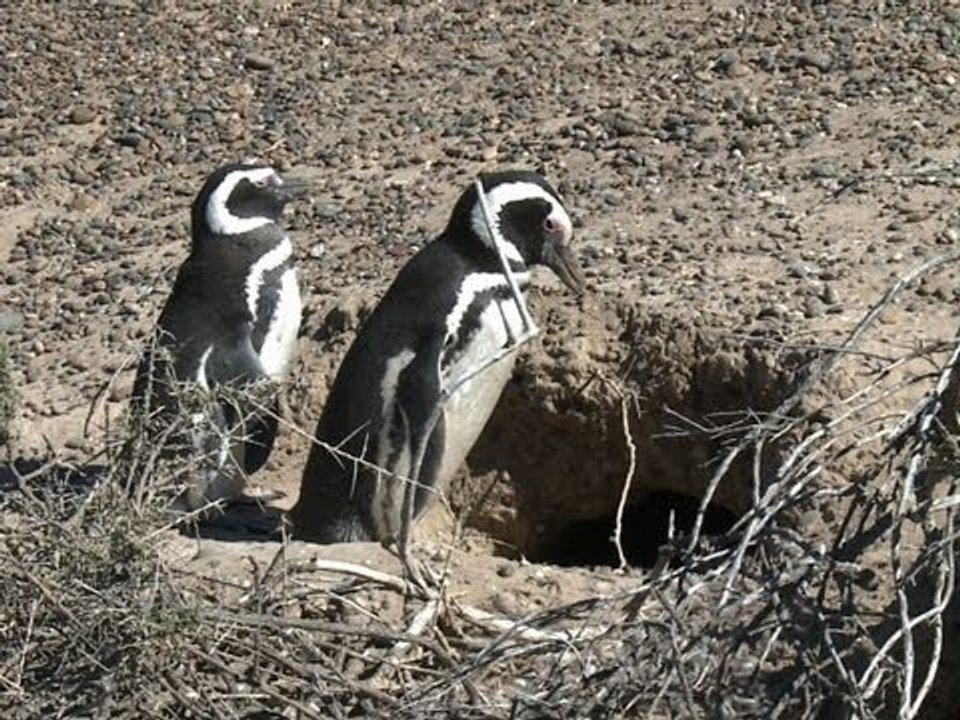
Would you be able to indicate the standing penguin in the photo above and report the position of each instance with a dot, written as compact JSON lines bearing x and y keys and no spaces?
{"x":448,"y":311}
{"x":230,"y":322}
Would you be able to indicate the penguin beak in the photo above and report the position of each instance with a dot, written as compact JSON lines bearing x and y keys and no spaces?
{"x":559,"y":257}
{"x":291,"y":189}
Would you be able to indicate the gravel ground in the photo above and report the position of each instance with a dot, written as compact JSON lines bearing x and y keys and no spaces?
{"x":756,"y":171}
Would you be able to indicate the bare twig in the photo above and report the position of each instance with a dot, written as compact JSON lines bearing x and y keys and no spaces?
{"x":627,"y":482}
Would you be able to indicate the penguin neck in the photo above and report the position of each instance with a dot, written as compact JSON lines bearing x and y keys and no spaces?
{"x":247,"y":245}
{"x":241,"y":265}
{"x":481,"y":255}
{"x":242,"y":259}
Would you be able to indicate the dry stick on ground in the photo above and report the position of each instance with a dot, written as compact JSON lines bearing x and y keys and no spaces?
{"x":417,"y":628}
{"x":800,"y":471}
{"x":916,"y":427}
{"x":333,"y":628}
{"x":338,"y":566}
{"x":302,"y":709}
{"x":97,"y":401}
{"x":946,"y":582}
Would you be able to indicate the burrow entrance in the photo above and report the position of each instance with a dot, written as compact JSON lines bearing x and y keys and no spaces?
{"x":547,"y":474}
{"x":646,"y":527}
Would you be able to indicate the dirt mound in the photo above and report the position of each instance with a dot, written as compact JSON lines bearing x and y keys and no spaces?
{"x":558,"y":446}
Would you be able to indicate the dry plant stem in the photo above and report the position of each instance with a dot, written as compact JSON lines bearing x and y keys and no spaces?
{"x":332,"y":670}
{"x":424,"y":618}
{"x":945,"y":586}
{"x":835,"y":654}
{"x":254,"y":620}
{"x":97,"y":400}
{"x":520,"y":629}
{"x":337,"y":566}
{"x":903,"y":604}
{"x":26,"y":643}
{"x":494,"y":230}
{"x":14,"y":689}
{"x":917,"y":423}
{"x":678,"y":655}
{"x":929,"y":409}
{"x":757,"y":471}
{"x":759,"y":520}
{"x":627,"y":481}
{"x":661,"y":693}
{"x":332,"y":449}
{"x":302,"y":709}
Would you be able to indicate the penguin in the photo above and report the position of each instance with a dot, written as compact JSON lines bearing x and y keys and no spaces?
{"x":227,"y":333}
{"x":447,"y":312}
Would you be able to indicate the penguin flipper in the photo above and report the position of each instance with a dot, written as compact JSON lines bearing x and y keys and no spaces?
{"x":234,"y":361}
{"x":235,"y":371}
{"x":419,"y":399}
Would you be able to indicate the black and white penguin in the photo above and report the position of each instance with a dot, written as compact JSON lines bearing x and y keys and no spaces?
{"x":448,"y":311}
{"x":231,"y":321}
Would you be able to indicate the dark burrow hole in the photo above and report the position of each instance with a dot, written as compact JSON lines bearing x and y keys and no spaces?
{"x":645,"y":529}
{"x":547,"y":473}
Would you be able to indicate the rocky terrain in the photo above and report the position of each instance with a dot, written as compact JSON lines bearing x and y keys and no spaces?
{"x":747,"y":179}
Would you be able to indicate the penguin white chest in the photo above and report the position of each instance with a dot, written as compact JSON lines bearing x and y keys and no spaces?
{"x":280,"y":340}
{"x":470,"y":406}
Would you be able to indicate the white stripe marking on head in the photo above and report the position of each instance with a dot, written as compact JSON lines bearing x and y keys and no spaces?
{"x":218,"y":215}
{"x":501,"y":195}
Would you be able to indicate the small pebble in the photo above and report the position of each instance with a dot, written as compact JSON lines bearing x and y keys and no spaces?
{"x":258,"y":62}
{"x":812,"y":307}
{"x":829,"y":295}
{"x":130,"y":139}
{"x":819,"y":60}
{"x":82,"y":115}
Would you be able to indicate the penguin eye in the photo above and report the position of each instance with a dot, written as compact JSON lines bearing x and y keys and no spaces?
{"x":550,"y":225}
{"x":265,"y":181}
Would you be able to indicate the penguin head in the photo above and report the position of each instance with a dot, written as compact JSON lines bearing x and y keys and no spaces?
{"x":240,"y":198}
{"x":534,"y":226}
